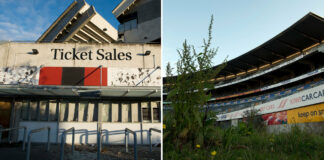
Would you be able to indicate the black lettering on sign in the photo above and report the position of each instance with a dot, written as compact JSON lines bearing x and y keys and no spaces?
{"x":73,"y":54}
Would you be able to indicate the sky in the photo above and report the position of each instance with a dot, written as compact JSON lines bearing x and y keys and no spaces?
{"x":238,"y":26}
{"x":27,"y":20}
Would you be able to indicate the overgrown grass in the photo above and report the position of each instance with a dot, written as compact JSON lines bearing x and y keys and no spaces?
{"x":244,"y":142}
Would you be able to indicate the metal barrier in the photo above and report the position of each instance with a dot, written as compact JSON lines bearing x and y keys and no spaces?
{"x":150,"y":135}
{"x":17,"y":128}
{"x":99,"y":141}
{"x":29,"y":140}
{"x":127,"y":131}
{"x":63,"y":139}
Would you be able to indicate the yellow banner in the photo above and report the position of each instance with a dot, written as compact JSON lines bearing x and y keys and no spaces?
{"x":313,"y":113}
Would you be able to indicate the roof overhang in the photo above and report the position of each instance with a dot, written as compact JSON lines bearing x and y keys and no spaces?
{"x":80,"y":23}
{"x":79,"y":91}
{"x":297,"y":39}
{"x":123,"y":6}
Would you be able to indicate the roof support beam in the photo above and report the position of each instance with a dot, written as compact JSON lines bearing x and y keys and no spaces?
{"x":274,"y":53}
{"x":81,"y":38}
{"x":88,"y":35}
{"x":307,"y":36}
{"x":246,"y":63}
{"x":87,"y":27}
{"x":125,"y":93}
{"x":262,"y":59}
{"x":151,"y":93}
{"x":289,"y":45}
{"x":238,"y":68}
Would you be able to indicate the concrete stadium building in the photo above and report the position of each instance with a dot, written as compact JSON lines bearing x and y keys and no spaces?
{"x":81,"y":74}
{"x":283,"y":79}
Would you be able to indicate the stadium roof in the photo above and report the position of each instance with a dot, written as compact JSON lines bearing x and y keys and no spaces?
{"x":304,"y":34}
{"x":80,"y":23}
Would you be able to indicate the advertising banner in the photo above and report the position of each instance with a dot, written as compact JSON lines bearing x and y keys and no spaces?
{"x":313,"y":113}
{"x":304,"y":98}
{"x":275,"y":118}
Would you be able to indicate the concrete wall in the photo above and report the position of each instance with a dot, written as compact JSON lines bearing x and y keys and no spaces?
{"x":314,"y":127}
{"x":20,"y":54}
{"x":144,"y":31}
{"x":130,"y":77}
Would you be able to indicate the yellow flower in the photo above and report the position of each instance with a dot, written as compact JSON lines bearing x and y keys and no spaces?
{"x":164,"y":126}
{"x":197,"y":146}
{"x":213,"y":153}
{"x":249,"y":133}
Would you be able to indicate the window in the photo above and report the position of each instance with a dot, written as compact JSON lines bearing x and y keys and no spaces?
{"x":129,"y":25}
{"x":156,"y":113}
{"x":146,"y":114}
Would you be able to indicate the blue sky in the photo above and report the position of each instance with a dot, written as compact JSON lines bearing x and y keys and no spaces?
{"x":238,"y":26}
{"x":26,"y":20}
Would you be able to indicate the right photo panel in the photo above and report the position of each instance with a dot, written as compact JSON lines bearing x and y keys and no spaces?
{"x":243,"y":81}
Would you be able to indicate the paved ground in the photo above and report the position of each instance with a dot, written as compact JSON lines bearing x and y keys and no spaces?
{"x":83,"y":152}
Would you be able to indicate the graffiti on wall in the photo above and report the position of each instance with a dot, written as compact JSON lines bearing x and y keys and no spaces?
{"x":132,"y":76}
{"x":19,"y":75}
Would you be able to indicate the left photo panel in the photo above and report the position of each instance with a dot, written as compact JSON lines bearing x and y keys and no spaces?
{"x":80,"y":79}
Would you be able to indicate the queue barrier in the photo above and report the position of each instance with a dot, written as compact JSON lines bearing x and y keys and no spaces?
{"x":63,"y":139}
{"x":29,"y":140}
{"x":150,"y":135}
{"x":16,"y":128}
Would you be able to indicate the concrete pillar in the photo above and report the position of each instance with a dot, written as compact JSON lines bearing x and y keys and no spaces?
{"x":83,"y":111}
{"x":71,"y":108}
{"x":114,"y":112}
{"x":135,"y":113}
{"x":90,"y":111}
{"x":33,"y":110}
{"x":24,"y":111}
{"x":100,"y":109}
{"x":42,"y":110}
{"x":234,"y":122}
{"x":63,"y":111}
{"x":17,"y":111}
{"x":125,"y":112}
{"x":52,"y":111}
{"x":105,"y":112}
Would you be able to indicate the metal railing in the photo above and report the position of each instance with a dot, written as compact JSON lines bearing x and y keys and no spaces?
{"x":17,"y":128}
{"x":99,"y":141}
{"x":63,"y":139}
{"x":29,"y":140}
{"x":127,"y":131}
{"x":150,"y":136}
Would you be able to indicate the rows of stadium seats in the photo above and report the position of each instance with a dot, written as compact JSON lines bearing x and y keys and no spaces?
{"x":230,"y":106}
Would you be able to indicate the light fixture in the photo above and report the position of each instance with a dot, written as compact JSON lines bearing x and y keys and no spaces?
{"x":147,"y":53}
{"x":34,"y":52}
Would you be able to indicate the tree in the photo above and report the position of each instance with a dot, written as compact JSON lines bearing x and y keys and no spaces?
{"x":190,"y":123}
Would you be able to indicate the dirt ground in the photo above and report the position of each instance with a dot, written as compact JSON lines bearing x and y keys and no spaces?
{"x":81,"y":152}
{"x":112,"y":152}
